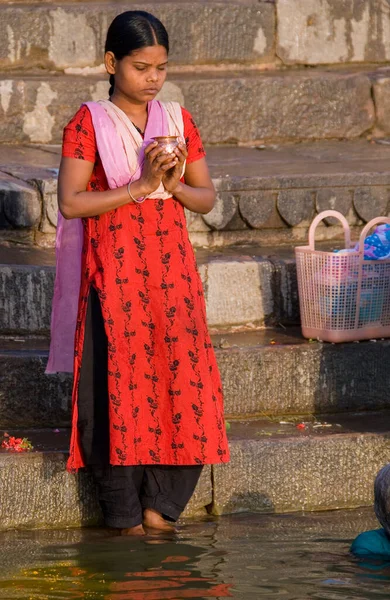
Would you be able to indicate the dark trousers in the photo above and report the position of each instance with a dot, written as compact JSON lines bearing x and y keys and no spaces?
{"x":124,"y":491}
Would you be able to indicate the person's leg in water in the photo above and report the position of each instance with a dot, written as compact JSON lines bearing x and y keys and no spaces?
{"x":118,"y":487}
{"x":145,"y":498}
{"x":118,"y":491}
{"x":130,"y":496}
{"x":165,"y":492}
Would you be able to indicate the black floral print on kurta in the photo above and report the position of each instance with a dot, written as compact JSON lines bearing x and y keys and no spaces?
{"x":165,"y":397}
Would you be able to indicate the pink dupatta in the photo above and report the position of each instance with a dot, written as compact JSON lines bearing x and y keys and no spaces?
{"x":69,"y":236}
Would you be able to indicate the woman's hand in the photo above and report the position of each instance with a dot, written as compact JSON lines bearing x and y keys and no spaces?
{"x":156,"y":164}
{"x":172,"y":176}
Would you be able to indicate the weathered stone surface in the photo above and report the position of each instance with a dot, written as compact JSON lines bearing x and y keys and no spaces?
{"x":310,"y":105}
{"x":195,"y":222}
{"x":21,"y":203}
{"x":382,"y":103}
{"x":309,"y":165}
{"x":318,"y":32}
{"x":223,"y":212}
{"x":238,"y":290}
{"x":257,"y":208}
{"x":295,"y":474}
{"x":295,"y":206}
{"x":28,"y":397}
{"x":329,"y":169}
{"x":371,"y":202}
{"x":74,"y":36}
{"x":317,"y":379}
{"x":203,"y":495}
{"x":49,"y":497}
{"x":339,"y":199}
{"x":48,"y":189}
{"x":25,"y":298}
{"x":285,"y":291}
{"x":237,"y":223}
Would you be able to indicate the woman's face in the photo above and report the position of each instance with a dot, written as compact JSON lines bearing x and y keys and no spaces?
{"x":141,"y":75}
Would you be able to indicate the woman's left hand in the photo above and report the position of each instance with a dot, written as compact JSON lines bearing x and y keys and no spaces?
{"x":172,"y":177}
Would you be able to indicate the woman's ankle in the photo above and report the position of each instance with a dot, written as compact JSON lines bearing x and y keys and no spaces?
{"x":138,"y":530}
{"x":154,"y":519}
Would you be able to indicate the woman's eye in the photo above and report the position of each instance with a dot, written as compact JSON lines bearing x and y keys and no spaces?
{"x":140,"y":68}
{"x":161,"y":68}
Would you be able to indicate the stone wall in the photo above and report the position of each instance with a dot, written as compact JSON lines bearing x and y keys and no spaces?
{"x":289,"y":32}
{"x":317,"y":32}
{"x":256,"y":75}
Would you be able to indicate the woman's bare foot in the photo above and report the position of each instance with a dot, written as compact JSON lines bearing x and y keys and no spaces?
{"x":154,"y":520}
{"x":137,"y":531}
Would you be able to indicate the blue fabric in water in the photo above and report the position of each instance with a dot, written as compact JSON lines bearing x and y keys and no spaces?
{"x":375,"y":543}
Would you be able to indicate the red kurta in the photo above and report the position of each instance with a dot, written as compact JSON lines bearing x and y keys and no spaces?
{"x":165,"y":396}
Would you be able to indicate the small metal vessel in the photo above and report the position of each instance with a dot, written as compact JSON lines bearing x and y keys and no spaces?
{"x":168,"y":142}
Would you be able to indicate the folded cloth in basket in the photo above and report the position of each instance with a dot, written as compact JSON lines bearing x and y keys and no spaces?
{"x":376,"y":245}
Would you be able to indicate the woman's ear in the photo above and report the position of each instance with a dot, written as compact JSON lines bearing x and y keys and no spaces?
{"x":110,"y":62}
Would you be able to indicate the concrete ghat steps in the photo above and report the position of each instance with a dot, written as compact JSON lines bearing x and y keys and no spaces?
{"x":266,"y":196}
{"x":317,"y":378}
{"x":274,"y":468}
{"x":321,"y":104}
{"x":61,"y":36}
{"x":242,"y":288}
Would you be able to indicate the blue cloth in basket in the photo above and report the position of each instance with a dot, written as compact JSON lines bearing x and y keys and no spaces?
{"x":376,"y":246}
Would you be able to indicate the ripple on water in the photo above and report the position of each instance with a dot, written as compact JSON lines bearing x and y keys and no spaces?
{"x":243,"y":556}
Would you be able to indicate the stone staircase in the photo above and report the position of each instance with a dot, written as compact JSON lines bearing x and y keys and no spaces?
{"x":291,"y":129}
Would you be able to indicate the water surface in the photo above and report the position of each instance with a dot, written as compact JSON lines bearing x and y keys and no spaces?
{"x":291,"y":557}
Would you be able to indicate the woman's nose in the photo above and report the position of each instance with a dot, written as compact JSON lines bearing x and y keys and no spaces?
{"x":153,"y":76}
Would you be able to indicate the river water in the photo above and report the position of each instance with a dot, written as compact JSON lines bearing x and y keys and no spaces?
{"x":291,"y":557}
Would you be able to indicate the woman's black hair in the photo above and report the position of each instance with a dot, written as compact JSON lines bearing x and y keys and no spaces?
{"x":132,"y":30}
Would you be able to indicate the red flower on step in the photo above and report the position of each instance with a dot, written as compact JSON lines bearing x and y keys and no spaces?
{"x":15,"y":444}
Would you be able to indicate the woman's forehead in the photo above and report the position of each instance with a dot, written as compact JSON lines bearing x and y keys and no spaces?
{"x":150,"y":54}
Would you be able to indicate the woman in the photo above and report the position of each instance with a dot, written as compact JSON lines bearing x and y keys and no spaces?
{"x":147,"y":398}
{"x":376,"y":543}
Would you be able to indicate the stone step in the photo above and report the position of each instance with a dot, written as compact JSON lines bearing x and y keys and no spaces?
{"x":273,"y":469}
{"x":288,"y":32}
{"x":240,"y":107}
{"x":63,"y":36}
{"x":266,"y":195}
{"x":306,"y":470}
{"x":49,"y":497}
{"x":317,"y":378}
{"x":243,"y":289}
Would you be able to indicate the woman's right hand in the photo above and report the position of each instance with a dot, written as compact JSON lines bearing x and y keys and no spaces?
{"x":156,"y":164}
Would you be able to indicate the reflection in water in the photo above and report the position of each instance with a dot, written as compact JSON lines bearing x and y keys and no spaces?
{"x":242,"y":557}
{"x":118,"y":568}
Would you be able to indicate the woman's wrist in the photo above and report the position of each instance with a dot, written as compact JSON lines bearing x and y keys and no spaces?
{"x":177,"y":189}
{"x":143,"y":188}
{"x":137,"y":189}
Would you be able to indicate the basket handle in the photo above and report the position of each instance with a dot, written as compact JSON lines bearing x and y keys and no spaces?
{"x":370,"y":225}
{"x":362,"y":239}
{"x":324,"y":215}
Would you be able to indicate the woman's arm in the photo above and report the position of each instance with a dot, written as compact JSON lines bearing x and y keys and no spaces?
{"x":75,"y":201}
{"x":198,"y":192}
